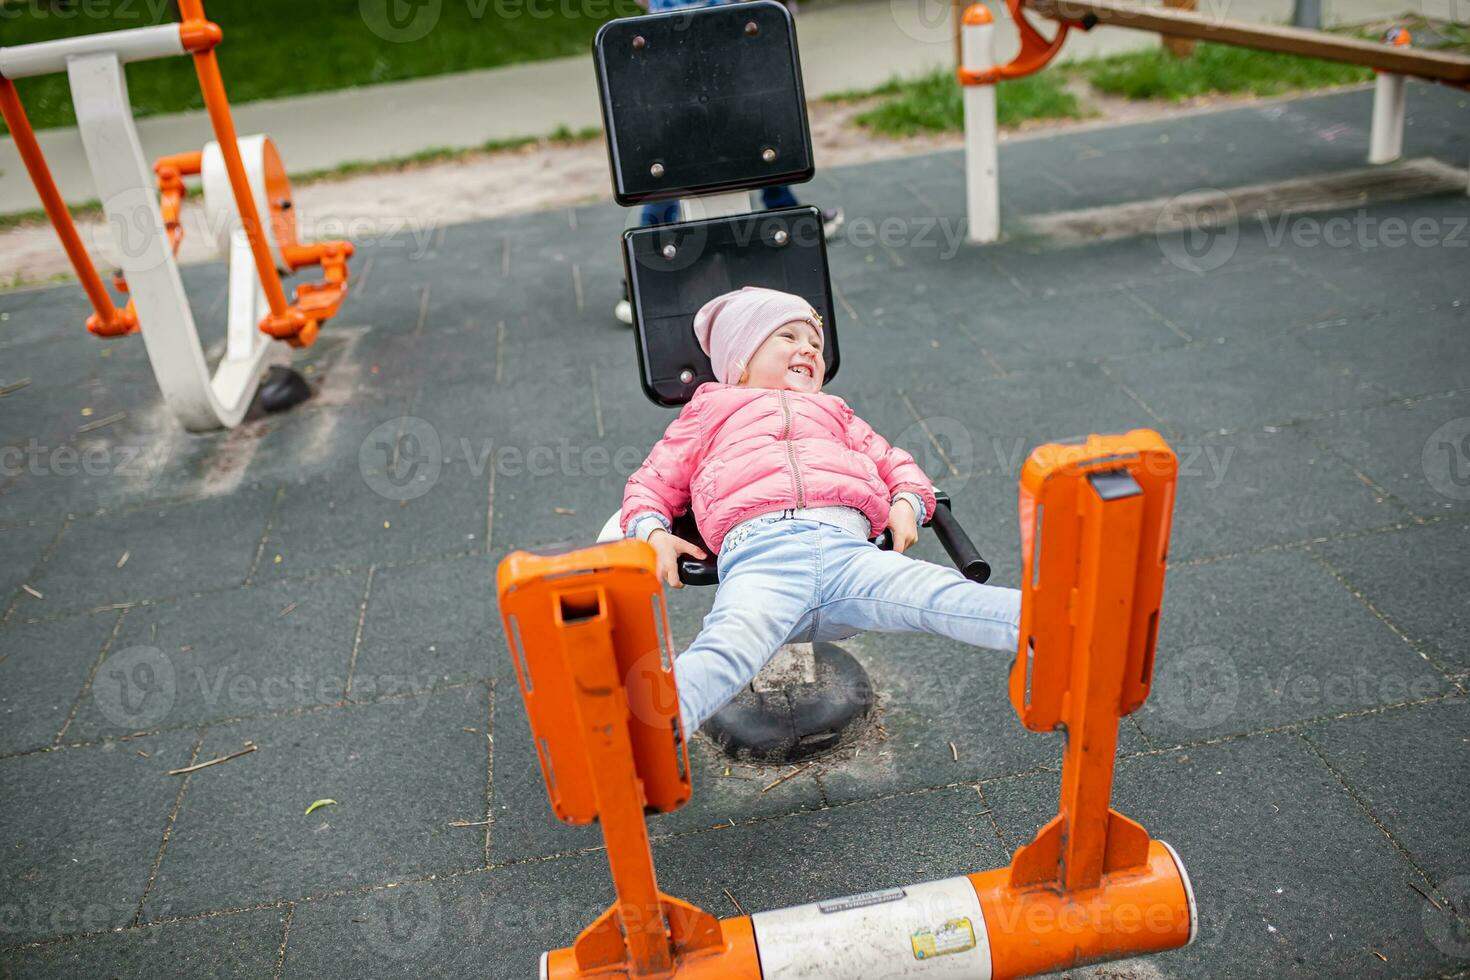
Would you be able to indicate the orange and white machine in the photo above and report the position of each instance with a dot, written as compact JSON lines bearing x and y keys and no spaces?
{"x":247,"y":202}
{"x":588,"y":633}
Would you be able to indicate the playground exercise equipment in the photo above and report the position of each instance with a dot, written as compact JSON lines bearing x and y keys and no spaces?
{"x":248,"y":205}
{"x":704,"y":106}
{"x":589,"y":636}
{"x":1394,"y":61}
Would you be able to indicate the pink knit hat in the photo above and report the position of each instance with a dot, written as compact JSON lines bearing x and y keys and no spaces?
{"x":730,"y":327}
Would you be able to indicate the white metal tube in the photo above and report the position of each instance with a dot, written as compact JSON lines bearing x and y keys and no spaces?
{"x":51,"y":57}
{"x":129,"y":193}
{"x":933,"y":930}
{"x":1387,"y":141}
{"x":717,"y":205}
{"x":982,"y":178}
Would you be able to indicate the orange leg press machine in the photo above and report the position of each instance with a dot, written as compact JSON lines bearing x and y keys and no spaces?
{"x":588,"y":631}
{"x":248,"y":207}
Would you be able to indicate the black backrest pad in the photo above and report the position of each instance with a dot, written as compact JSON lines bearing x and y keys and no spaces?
{"x":694,"y":100}
{"x":780,"y":249}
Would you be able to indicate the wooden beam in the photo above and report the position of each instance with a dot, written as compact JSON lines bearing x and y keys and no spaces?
{"x":1434,"y":65}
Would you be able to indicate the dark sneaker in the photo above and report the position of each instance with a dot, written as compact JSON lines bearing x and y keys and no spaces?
{"x":832,"y":219}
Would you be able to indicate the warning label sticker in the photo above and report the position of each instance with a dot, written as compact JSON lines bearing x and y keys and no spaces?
{"x":861,"y":901}
{"x":954,"y":936}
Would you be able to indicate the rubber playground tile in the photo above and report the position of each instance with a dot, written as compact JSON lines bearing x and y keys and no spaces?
{"x":23,"y":546}
{"x":44,"y":668}
{"x":498,"y":924}
{"x":945,"y":717}
{"x":1031,"y":270}
{"x":491,"y":925}
{"x":437,"y":622}
{"x":1387,"y":258}
{"x":1408,"y":353}
{"x":459,"y":350}
{"x":150,"y":552}
{"x":225,"y":655}
{"x":1255,"y":489}
{"x":1415,"y":452}
{"x":545,"y":502}
{"x":400,"y":770}
{"x":487,"y":422}
{"x":841,"y":850}
{"x":242,"y":944}
{"x":1417,"y":579}
{"x":32,"y":411}
{"x":1266,"y":640}
{"x":1198,"y":389}
{"x":1411,"y":770}
{"x":1005,"y":418}
{"x":416,"y":511}
{"x":524,"y":827}
{"x":317,"y":440}
{"x":1069,"y":328}
{"x":29,"y":317}
{"x":1292,"y":878}
{"x":49,"y":466}
{"x":81,"y":833}
{"x":1266,"y":300}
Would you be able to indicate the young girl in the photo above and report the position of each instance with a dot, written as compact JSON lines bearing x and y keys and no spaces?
{"x":788,"y":486}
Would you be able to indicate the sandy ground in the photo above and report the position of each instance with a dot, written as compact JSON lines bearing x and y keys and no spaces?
{"x":418,"y":201}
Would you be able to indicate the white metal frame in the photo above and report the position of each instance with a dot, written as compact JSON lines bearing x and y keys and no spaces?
{"x":982,"y":137}
{"x":140,"y":248}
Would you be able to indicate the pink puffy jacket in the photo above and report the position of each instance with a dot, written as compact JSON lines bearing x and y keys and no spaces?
{"x":736,"y":453}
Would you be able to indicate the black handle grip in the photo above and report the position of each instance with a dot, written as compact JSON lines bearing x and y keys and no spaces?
{"x":957,"y":543}
{"x":698,"y":571}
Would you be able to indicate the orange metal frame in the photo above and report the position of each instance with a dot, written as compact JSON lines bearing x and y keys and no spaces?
{"x":1036,"y":52}
{"x":587,"y":632}
{"x":296,"y":324}
{"x":106,"y":320}
{"x":1093,"y":566}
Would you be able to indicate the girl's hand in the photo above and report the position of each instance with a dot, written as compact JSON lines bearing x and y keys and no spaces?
{"x":904,"y":524}
{"x":668,"y":548}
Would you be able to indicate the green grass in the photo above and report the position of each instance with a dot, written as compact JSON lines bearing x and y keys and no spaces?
{"x":439,"y":155}
{"x":935,"y":104}
{"x":1215,"y":68}
{"x":277,"y":48}
{"x":93,"y":208}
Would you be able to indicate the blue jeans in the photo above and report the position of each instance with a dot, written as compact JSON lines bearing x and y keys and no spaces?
{"x":667,"y":212}
{"x":792,"y":581}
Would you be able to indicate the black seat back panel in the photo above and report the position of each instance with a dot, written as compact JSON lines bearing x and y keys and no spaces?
{"x":675,"y":269}
{"x":703,"y":101}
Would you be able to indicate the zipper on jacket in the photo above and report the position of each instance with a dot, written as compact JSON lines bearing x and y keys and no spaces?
{"x":787,"y":431}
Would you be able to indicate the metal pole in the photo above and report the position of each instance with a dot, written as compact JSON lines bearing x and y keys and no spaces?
{"x":982,"y":179}
{"x":1308,"y":14}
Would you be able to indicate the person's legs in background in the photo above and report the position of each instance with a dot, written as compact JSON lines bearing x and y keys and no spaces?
{"x":778,"y":197}
{"x":781,"y":197}
{"x":661,"y":213}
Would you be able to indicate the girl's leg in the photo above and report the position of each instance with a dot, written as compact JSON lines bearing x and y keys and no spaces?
{"x":767,"y":588}
{"x":864,"y":588}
